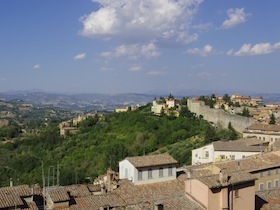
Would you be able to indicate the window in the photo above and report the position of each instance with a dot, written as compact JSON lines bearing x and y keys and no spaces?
{"x":243,"y":156}
{"x":277,"y":171}
{"x":268,"y":185}
{"x":170,"y":171}
{"x":140,"y":175}
{"x":236,"y":193}
{"x":261,"y":174}
{"x":206,"y":154}
{"x":150,"y":174}
{"x":126,"y":173}
{"x":269,"y":173}
{"x":276,"y":183}
{"x":233,"y":157}
{"x":160,"y":172}
{"x":261,"y":186}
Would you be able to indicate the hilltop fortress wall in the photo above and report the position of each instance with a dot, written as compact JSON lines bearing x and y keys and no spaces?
{"x":219,"y":117}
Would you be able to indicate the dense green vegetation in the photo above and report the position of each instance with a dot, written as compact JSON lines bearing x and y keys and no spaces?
{"x":102,"y":142}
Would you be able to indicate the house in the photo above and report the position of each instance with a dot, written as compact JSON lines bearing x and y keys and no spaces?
{"x":19,"y":197}
{"x":269,"y":133}
{"x":169,"y":106}
{"x":228,"y":150}
{"x":148,"y":169}
{"x":265,"y":167}
{"x":56,"y":197}
{"x":122,"y":109}
{"x":223,"y":191}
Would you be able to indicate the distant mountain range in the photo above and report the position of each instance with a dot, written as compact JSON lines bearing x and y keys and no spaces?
{"x":96,"y":101}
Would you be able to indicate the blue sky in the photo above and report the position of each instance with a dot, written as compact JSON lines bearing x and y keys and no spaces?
{"x":140,"y":46}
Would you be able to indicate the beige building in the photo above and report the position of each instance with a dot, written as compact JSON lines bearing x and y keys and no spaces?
{"x":223,"y":191}
{"x":270,"y":133}
{"x":122,"y":109}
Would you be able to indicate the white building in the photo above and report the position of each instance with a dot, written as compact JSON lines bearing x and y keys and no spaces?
{"x":269,"y":133}
{"x":228,"y":150}
{"x":148,"y":169}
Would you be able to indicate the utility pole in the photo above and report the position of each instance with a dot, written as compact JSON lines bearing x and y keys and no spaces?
{"x":57,"y":174}
{"x":44,"y":187}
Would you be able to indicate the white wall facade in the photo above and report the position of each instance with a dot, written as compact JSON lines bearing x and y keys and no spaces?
{"x":231,"y":155}
{"x":203,"y":155}
{"x":128,"y":171}
{"x":168,"y":173}
{"x":207,"y":154}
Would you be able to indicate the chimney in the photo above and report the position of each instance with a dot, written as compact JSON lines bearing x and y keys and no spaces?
{"x":158,"y":206}
{"x":11,"y":182}
{"x":189,"y":174}
{"x":223,"y":177}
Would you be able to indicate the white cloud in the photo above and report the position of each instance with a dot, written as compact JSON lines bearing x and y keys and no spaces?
{"x":142,"y":20}
{"x":134,"y":51}
{"x":203,"y":26}
{"x":206,"y":50}
{"x":80,"y":56}
{"x":106,"y":69}
{"x":235,"y":17}
{"x":257,"y":49}
{"x":37,"y":66}
{"x":135,"y":68}
{"x":156,"y":73}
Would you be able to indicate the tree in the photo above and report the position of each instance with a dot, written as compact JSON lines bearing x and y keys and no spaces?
{"x":226,"y":98}
{"x":272,"y":119}
{"x":245,"y":112}
{"x":209,"y":135}
{"x":233,"y":133}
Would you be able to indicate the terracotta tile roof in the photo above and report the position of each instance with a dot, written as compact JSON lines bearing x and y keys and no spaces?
{"x":251,"y":163}
{"x":11,"y":196}
{"x":94,"y":187}
{"x":212,"y":181}
{"x":263,"y":127}
{"x":58,"y":194}
{"x":169,"y":193}
{"x":78,"y":190}
{"x":176,"y":203}
{"x":268,"y":199}
{"x":151,"y":160}
{"x":96,"y":201}
{"x":241,"y":145}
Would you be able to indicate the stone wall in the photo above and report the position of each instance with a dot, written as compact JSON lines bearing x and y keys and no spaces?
{"x":219,"y":116}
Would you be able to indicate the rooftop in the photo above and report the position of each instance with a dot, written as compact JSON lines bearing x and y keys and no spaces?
{"x":151,"y":160}
{"x":268,"y":199}
{"x":242,"y":145}
{"x":252,"y":163}
{"x":169,"y":193}
{"x":11,"y":196}
{"x":212,"y":181}
{"x":264,"y":127}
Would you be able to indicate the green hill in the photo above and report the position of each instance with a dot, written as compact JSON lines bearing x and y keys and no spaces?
{"x":101,"y":143}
